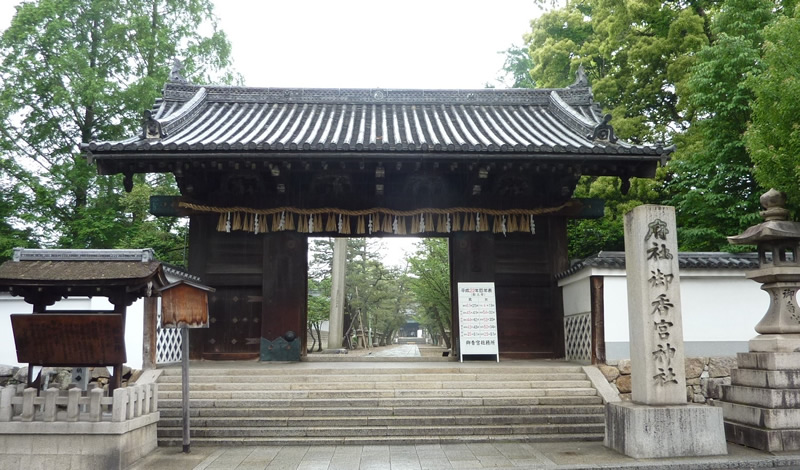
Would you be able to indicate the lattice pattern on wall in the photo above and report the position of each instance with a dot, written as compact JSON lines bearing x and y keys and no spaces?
{"x":168,"y":344}
{"x":578,"y":337}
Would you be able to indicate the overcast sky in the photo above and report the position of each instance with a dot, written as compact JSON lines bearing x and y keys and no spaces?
{"x":367,"y":43}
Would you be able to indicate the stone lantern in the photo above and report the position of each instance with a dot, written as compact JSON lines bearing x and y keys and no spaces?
{"x":761,"y":407}
{"x":778,"y":242}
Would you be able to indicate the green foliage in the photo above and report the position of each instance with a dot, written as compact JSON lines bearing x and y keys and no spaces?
{"x":698,"y":74}
{"x":774,"y":136}
{"x":75,"y":70}
{"x":517,"y":68}
{"x":319,"y":309}
{"x":589,"y":236}
{"x":430,"y":265}
{"x":637,"y":55}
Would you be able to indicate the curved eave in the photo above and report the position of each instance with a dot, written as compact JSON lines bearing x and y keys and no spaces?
{"x":636,"y":165}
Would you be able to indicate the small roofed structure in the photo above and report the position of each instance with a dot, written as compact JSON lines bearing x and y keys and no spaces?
{"x":184,"y":304}
{"x":43,"y":277}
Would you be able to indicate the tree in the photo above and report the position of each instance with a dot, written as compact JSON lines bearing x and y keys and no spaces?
{"x":589,"y":236}
{"x":668,"y":72}
{"x":773,"y":137}
{"x":376,"y":294}
{"x":712,"y":185}
{"x":319,"y":308}
{"x":76,"y":70}
{"x":430,"y":265}
{"x":517,"y":68}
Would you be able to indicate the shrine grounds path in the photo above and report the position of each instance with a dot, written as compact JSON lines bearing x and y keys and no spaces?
{"x":499,"y":456}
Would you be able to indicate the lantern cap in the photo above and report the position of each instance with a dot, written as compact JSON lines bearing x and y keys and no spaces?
{"x":775,"y":225}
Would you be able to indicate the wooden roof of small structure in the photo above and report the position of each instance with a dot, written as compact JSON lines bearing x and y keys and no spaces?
{"x":196,"y":122}
{"x":49,"y":275}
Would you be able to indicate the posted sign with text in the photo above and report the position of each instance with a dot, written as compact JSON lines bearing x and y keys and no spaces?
{"x":477,"y":318}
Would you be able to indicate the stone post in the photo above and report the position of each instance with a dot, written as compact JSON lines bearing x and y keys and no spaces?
{"x":654,"y":306}
{"x":659,"y":423}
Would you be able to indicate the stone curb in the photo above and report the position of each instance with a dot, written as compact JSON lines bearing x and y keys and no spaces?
{"x":602,"y":386}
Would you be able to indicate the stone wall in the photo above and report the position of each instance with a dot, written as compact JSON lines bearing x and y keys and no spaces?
{"x":704,"y":377}
{"x":61,"y":377}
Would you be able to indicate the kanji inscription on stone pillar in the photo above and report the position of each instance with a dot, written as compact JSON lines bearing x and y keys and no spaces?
{"x":654,"y":306}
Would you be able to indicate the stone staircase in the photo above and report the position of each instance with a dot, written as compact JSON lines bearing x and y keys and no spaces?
{"x":389,"y":403}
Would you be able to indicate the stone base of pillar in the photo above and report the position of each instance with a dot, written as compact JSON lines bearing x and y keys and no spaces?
{"x":762,"y":404}
{"x":646,"y":432}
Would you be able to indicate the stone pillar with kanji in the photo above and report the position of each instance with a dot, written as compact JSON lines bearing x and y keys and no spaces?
{"x":658,"y":422}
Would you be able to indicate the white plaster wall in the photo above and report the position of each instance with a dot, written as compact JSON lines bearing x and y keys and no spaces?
{"x":134,"y":324}
{"x":714,"y":308}
{"x":720,"y":308}
{"x":577,"y":297}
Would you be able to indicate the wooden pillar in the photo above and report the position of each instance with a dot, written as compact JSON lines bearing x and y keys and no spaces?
{"x":116,"y":379}
{"x":285,"y":286}
{"x":598,"y":320}
{"x":150,"y":332}
{"x":472,"y":259}
{"x":559,"y":262}
{"x":200,"y":229}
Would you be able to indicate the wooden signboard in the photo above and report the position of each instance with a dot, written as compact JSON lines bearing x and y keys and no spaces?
{"x":184,"y":304}
{"x":75,"y":339}
{"x":477,"y":319}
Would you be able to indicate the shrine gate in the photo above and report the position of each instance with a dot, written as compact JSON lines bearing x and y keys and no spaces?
{"x":262,"y":169}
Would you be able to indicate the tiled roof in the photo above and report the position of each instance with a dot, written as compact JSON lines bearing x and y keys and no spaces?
{"x":510,"y":121}
{"x":686,"y":260}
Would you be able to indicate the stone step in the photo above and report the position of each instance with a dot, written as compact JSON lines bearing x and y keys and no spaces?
{"x":766,"y":378}
{"x":385,"y":402}
{"x":770,"y":440}
{"x":761,"y":397}
{"x":760,"y":417}
{"x":350,"y":394}
{"x":312,"y":380}
{"x":393,"y":421}
{"x":284,"y":370}
{"x":356,"y":386}
{"x":768,"y":360}
{"x":385,"y":411}
{"x":373,"y":431}
{"x":376,"y":440}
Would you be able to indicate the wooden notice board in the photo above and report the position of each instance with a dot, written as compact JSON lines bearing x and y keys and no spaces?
{"x":74,"y":339}
{"x":477,"y":319}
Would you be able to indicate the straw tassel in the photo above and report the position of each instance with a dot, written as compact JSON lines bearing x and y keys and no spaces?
{"x":331,"y":225}
{"x":483,"y":226}
{"x":414,"y":225}
{"x":346,"y":225}
{"x":456,"y":222}
{"x":361,"y":226}
{"x":221,"y":222}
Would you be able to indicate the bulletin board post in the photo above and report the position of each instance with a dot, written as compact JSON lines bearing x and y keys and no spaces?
{"x":477,"y":319}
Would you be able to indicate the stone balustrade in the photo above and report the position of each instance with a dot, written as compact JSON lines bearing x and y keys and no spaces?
{"x":126,"y":404}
